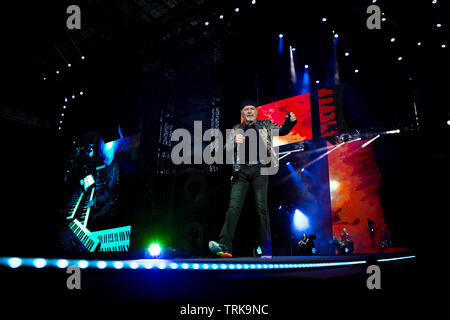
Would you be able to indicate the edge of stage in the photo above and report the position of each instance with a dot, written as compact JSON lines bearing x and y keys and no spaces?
{"x":203,"y":278}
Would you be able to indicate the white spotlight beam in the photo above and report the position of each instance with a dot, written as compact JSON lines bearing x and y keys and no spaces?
{"x":370,"y":141}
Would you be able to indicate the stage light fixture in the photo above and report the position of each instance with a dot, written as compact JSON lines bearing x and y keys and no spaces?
{"x":306,"y":66}
{"x":443,"y":46}
{"x":45,"y":78}
{"x":101,"y":264}
{"x":40,"y":263}
{"x":280,"y":35}
{"x":109,"y":145}
{"x":69,"y":65}
{"x":400,"y":58}
{"x":14,"y":262}
{"x":336,"y":36}
{"x":206,"y":23}
{"x":62,"y":114}
{"x":83,"y":264}
{"x":118,"y":265}
{"x":317,"y":81}
{"x":383,"y":19}
{"x":134,"y":265}
{"x":82,"y":57}
{"x":438,"y":25}
{"x":288,"y":163}
{"x":253,"y":1}
{"x":356,"y":70}
{"x":64,"y":107}
{"x":62,"y":263}
{"x":300,"y":220}
{"x":236,"y":10}
{"x":347,"y":54}
{"x":434,"y":1}
{"x":154,"y":250}
{"x":81,"y":93}
{"x":324,"y":19}
{"x":73,"y":96}
{"x":221,"y":16}
{"x":419,"y":44}
{"x":293,"y":49}
{"x":57,"y":71}
{"x":334,"y":185}
{"x":392,"y":39}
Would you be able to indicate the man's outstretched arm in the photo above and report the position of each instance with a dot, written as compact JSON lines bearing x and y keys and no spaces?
{"x":289,"y":122}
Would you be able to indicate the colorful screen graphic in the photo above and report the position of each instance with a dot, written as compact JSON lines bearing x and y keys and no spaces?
{"x":276,"y":112}
{"x":355,"y":199}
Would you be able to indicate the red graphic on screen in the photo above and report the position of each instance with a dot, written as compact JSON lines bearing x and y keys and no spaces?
{"x":327,"y":111}
{"x":355,"y":198}
{"x":276,"y":112}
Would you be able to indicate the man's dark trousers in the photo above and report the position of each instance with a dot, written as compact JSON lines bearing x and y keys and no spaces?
{"x":245,"y":178}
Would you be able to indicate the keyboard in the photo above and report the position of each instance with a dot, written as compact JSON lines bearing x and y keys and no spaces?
{"x":117,"y":239}
{"x":73,"y":209}
{"x":89,"y":241}
{"x":83,"y":215}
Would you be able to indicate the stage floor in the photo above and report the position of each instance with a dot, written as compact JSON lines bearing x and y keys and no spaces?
{"x":214,"y":279}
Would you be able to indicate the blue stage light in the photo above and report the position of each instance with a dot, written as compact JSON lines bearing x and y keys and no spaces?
{"x":324,"y":19}
{"x":62,"y":263}
{"x":185,"y":266}
{"x":14,"y":262}
{"x":288,"y":163}
{"x":223,"y":266}
{"x":347,"y":54}
{"x":205,"y":266}
{"x":195,"y":266}
{"x":280,"y":35}
{"x":162,"y":265}
{"x":236,"y":10}
{"x":148,"y":265}
{"x":118,"y":265}
{"x":134,"y":265}
{"x":174,"y":265}
{"x":206,"y":23}
{"x":81,"y":93}
{"x":40,"y":263}
{"x":214,"y":266}
{"x":83,"y":264}
{"x":306,"y":66}
{"x":221,"y":16}
{"x":300,"y":220}
{"x":101,"y":264}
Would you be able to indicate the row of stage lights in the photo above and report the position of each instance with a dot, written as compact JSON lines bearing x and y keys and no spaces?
{"x":40,"y":263}
{"x":64,"y":108}
{"x":160,"y":264}
{"x":221,"y":17}
{"x":438,"y":26}
{"x":69,"y":65}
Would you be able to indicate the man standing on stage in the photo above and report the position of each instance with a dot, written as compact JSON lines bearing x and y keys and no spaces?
{"x":247,"y":173}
